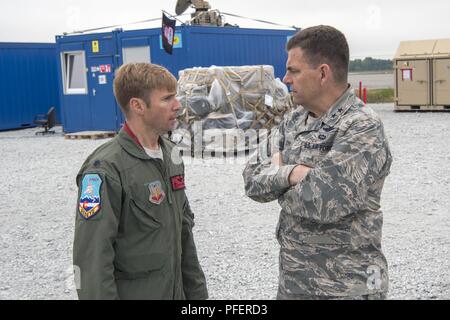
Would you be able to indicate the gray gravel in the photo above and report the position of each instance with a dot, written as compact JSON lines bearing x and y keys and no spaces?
{"x":234,"y":235}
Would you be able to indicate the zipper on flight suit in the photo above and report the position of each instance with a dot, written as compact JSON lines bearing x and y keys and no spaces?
{"x":166,"y":174}
{"x":162,"y":168}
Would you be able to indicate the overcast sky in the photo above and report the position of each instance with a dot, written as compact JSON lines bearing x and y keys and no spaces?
{"x":373,"y":27}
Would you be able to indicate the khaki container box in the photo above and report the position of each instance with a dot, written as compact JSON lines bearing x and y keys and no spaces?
{"x":422,"y":75}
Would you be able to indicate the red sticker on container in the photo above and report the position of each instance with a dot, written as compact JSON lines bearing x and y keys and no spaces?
{"x":105,"y":68}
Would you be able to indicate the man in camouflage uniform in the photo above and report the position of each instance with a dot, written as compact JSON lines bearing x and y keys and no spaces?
{"x":133,"y":228}
{"x":329,"y":161}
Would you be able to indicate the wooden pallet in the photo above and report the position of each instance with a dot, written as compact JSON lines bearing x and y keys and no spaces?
{"x":421,"y":108}
{"x":93,"y":135}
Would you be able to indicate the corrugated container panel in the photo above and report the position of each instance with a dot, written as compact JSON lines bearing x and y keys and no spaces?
{"x":28,"y":82}
{"x":237,"y":47}
{"x":173,"y":62}
{"x":221,"y":46}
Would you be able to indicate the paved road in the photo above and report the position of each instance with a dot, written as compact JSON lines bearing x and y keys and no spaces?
{"x":372,"y":80}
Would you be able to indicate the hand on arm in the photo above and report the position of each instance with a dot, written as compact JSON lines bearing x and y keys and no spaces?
{"x":266,"y":179}
{"x":298,"y":174}
{"x":277,"y":160}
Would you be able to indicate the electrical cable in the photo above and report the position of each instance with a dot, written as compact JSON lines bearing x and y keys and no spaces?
{"x":258,"y":20}
{"x":183,"y":23}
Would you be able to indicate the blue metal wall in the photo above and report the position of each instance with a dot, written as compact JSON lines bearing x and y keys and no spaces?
{"x":175,"y":62}
{"x":28,"y":83}
{"x":237,"y":47}
{"x":199,"y":47}
{"x":220,"y":46}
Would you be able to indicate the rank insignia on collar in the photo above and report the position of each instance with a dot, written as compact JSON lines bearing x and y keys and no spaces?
{"x":177,"y":182}
{"x":157,"y":194}
{"x":90,"y":201}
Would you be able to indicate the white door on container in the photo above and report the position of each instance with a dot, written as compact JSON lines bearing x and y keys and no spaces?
{"x":136,"y":54}
{"x":442,"y":82}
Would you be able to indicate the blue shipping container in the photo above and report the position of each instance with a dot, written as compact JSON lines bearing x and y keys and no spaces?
{"x":87,"y":64}
{"x":28,"y":83}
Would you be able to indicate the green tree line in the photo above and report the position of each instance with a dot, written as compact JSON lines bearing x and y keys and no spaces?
{"x":370,"y":64}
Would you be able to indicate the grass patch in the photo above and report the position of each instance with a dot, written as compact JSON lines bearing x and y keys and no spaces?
{"x":379,"y":95}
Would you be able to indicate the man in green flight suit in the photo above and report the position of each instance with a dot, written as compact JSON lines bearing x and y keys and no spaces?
{"x":133,"y":228}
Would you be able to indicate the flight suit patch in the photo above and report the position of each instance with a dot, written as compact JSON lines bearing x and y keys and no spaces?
{"x":177,"y":182}
{"x":90,"y":201}
{"x":157,"y":194}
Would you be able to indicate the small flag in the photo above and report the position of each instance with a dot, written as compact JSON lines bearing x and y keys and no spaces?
{"x":168,"y":32}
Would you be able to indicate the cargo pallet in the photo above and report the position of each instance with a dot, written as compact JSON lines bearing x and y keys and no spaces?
{"x":93,"y":135}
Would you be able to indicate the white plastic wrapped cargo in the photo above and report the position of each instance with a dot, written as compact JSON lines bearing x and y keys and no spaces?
{"x":246,"y":97}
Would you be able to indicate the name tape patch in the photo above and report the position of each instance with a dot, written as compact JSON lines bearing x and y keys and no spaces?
{"x":177,"y":182}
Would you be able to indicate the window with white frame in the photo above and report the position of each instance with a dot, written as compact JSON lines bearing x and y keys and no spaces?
{"x":136,"y":54}
{"x":74,"y":72}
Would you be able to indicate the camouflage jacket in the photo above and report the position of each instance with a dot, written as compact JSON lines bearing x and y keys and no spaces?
{"x":330,"y":223}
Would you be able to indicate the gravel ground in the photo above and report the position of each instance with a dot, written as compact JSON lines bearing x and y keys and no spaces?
{"x":234,"y":235}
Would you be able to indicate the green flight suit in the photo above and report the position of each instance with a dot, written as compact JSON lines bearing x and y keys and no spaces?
{"x":133,"y":247}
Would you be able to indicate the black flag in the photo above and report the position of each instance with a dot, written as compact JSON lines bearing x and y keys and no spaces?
{"x":168,"y":33}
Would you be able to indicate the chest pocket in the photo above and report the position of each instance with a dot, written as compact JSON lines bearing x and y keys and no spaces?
{"x":312,"y":153}
{"x":148,"y":203}
{"x":307,"y":149}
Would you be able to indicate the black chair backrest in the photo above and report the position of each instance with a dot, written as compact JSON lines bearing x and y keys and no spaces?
{"x":51,"y":117}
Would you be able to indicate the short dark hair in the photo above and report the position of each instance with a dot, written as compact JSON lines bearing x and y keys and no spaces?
{"x":324,"y":44}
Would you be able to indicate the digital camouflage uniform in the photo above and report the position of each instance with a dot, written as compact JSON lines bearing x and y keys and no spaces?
{"x":133,"y":228}
{"x":330,"y":223}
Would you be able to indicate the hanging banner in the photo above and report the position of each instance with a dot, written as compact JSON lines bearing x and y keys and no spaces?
{"x":167,"y":33}
{"x":177,"y":41}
